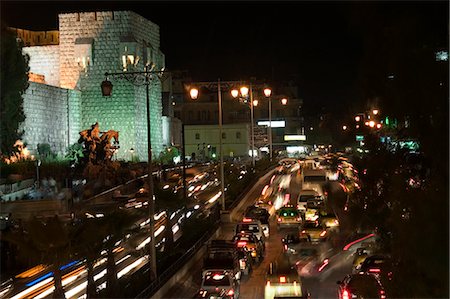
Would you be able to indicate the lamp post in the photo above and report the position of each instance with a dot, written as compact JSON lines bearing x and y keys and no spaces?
{"x":244,"y":91}
{"x":194,"y":95}
{"x":140,"y":78}
{"x":268,"y":93}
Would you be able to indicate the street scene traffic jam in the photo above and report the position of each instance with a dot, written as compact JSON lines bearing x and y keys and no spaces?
{"x":224,"y":150}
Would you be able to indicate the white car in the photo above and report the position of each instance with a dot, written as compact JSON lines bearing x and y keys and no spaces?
{"x":251,"y":226}
{"x":305,"y":196}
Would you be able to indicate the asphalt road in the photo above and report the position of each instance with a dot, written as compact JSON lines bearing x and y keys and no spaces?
{"x":322,"y":286}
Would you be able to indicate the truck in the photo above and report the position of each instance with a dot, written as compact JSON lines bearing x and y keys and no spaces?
{"x":224,"y":255}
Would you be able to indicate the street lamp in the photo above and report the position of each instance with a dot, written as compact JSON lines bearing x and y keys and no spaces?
{"x":219,"y":85}
{"x":139,"y":78}
{"x":268,"y":93}
{"x":284,"y":101}
{"x":244,"y":90}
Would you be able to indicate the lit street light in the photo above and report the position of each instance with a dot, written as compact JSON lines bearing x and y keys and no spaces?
{"x":219,"y":85}
{"x":140,"y":78}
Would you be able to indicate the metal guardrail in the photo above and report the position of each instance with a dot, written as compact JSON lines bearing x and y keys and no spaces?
{"x":167,"y":274}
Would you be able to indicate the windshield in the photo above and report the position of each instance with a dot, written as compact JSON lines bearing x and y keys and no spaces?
{"x":216,"y":279}
{"x":248,"y":227}
{"x":314,"y":178}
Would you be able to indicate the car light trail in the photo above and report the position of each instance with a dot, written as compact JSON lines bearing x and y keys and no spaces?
{"x":131,"y":266}
{"x":346,"y":247}
{"x":31,"y":272}
{"x":24,"y":293}
{"x":215,"y":197}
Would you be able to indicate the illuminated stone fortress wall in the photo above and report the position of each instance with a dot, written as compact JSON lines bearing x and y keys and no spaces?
{"x":91,"y":44}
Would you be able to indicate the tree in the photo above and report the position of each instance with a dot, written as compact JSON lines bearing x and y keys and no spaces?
{"x":14,"y":81}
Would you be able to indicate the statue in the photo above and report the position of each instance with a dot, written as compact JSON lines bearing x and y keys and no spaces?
{"x":98,"y":147}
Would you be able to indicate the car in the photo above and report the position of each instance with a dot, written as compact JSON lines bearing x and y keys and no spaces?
{"x":380,"y":266}
{"x":253,"y":226}
{"x":283,"y":281}
{"x":359,"y":256}
{"x":313,"y":231}
{"x":288,"y":216}
{"x":222,"y":283}
{"x":305,"y":196}
{"x":310,"y":259}
{"x":248,"y":242}
{"x":330,"y":221}
{"x":257,"y":213}
{"x":360,"y":286}
{"x":311,"y":214}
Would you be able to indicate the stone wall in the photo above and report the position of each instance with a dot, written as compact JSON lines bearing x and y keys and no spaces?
{"x":44,"y":60}
{"x":125,"y":110}
{"x":51,"y":113}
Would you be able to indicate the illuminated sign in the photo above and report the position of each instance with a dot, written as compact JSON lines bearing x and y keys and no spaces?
{"x":359,"y":137}
{"x":295,"y":149}
{"x":275,"y":123}
{"x":294,"y":137}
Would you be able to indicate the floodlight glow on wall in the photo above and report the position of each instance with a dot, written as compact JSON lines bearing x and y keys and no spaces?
{"x":275,"y":123}
{"x":294,"y":137}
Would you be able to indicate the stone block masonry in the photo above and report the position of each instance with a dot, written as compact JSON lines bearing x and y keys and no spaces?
{"x":125,"y":110}
{"x":44,"y":60}
{"x":90,"y":44}
{"x":51,"y":117}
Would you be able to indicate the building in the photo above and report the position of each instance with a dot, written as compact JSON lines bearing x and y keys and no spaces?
{"x":67,"y":67}
{"x":286,"y":119}
{"x":202,"y":141}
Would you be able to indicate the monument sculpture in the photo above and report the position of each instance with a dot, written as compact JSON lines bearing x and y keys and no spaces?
{"x":97,"y":145}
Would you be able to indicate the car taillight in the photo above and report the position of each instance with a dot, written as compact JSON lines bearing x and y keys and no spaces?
{"x":382,"y":294}
{"x":230,"y":292}
{"x":241,"y":244}
{"x":374,"y":270}
{"x":303,"y":231}
{"x":282,"y":279}
{"x":247,"y":220}
{"x":345,"y":294}
{"x":279,"y":219}
{"x":323,"y":233}
{"x":285,"y":247}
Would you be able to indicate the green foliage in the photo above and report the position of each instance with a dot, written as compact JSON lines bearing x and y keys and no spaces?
{"x":45,"y":151}
{"x":166,"y":156}
{"x":75,"y":153}
{"x":14,"y":81}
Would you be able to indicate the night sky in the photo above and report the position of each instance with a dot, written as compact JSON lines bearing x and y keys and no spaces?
{"x":317,"y":44}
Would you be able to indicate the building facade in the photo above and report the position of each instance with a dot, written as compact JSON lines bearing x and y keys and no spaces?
{"x":68,"y":67}
{"x":202,"y":141}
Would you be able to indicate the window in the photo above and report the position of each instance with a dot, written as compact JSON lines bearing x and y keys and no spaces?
{"x":83,"y":52}
{"x":224,"y":136}
{"x":238,"y":135}
{"x":197,"y":136}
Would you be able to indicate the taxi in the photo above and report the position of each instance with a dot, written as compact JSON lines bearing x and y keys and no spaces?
{"x":288,"y":216}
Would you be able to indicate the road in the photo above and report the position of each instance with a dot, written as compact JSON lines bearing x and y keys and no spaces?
{"x":322,"y":286}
